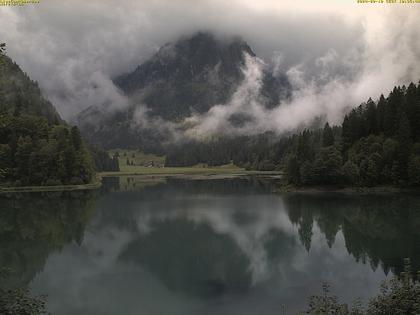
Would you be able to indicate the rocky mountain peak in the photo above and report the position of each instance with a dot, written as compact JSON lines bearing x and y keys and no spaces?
{"x":186,"y":77}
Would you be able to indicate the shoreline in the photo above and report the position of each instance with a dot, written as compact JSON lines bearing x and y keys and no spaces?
{"x":94,"y":185}
{"x":186,"y":171}
{"x":155,"y":172}
{"x":213,"y":173}
{"x":344,"y":189}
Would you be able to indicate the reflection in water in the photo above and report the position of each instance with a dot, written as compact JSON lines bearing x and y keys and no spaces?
{"x":194,"y":259}
{"x":33,"y":225}
{"x":379,"y":229}
{"x":179,"y":246}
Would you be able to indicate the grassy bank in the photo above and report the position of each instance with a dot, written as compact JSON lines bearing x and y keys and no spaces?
{"x":93,"y":185}
{"x":220,"y":170}
{"x":127,"y":170}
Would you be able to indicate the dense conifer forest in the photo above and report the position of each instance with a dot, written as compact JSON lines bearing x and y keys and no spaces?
{"x":102,"y":160}
{"x":33,"y":152}
{"x":36,"y":146}
{"x":20,"y":95}
{"x":378,"y":143}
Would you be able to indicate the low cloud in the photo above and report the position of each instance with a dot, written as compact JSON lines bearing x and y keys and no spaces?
{"x":244,"y":101}
{"x":336,"y":55}
{"x":61,"y":44}
{"x":326,"y":87}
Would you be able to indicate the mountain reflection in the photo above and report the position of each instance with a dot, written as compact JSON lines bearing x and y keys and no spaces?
{"x":203,"y":239}
{"x":380,"y":229}
{"x":191,"y":258}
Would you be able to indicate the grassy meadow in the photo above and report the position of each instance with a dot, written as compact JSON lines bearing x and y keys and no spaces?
{"x":135,"y":158}
{"x":134,"y":162}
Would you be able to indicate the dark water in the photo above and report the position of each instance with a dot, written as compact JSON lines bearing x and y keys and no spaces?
{"x":180,"y":246}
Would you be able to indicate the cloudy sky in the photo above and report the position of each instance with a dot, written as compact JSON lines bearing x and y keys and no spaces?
{"x":336,"y":52}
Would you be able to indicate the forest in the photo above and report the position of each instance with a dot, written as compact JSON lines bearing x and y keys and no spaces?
{"x":378,"y":143}
{"x":103,"y":161}
{"x":35,"y":153}
{"x":37,"y":148}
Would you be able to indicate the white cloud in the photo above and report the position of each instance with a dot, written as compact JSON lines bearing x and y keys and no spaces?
{"x":337,"y":53}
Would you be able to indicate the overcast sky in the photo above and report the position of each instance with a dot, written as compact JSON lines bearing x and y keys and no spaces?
{"x":73,"y":47}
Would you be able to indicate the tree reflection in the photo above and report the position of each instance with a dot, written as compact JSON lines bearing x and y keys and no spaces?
{"x":33,"y":225}
{"x":381,"y":229}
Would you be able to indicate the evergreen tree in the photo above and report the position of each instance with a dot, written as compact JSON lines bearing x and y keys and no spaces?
{"x":412,"y":108}
{"x":346,"y":138}
{"x":392,"y":111}
{"x":374,"y":145}
{"x":404,"y":143}
{"x":76,"y":138}
{"x":371,"y":120}
{"x":2,"y":50}
{"x":304,"y":150}
{"x":32,"y":152}
{"x":327,"y":136}
{"x":380,"y":114}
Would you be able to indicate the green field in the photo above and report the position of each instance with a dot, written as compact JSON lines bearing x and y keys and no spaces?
{"x":135,"y":158}
{"x":134,"y":162}
{"x":142,"y":170}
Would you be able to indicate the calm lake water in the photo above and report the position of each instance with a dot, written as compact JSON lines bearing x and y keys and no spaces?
{"x":219,"y":246}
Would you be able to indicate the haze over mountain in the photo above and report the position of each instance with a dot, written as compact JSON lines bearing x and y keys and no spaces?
{"x":334,"y":54}
{"x":193,"y":74}
{"x":20,"y":95}
{"x":181,"y":82}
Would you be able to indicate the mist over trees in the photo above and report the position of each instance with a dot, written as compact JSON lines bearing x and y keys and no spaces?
{"x":36,"y":146}
{"x":262,"y":152}
{"x":20,"y":95}
{"x":378,"y":143}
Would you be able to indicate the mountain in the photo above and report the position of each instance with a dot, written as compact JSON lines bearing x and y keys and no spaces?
{"x":183,"y":78}
{"x":20,"y":95}
{"x":193,"y":73}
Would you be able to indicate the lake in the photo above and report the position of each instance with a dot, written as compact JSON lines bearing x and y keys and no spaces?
{"x":202,"y":245}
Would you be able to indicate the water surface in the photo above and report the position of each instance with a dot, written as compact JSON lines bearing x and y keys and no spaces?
{"x":219,"y":246}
